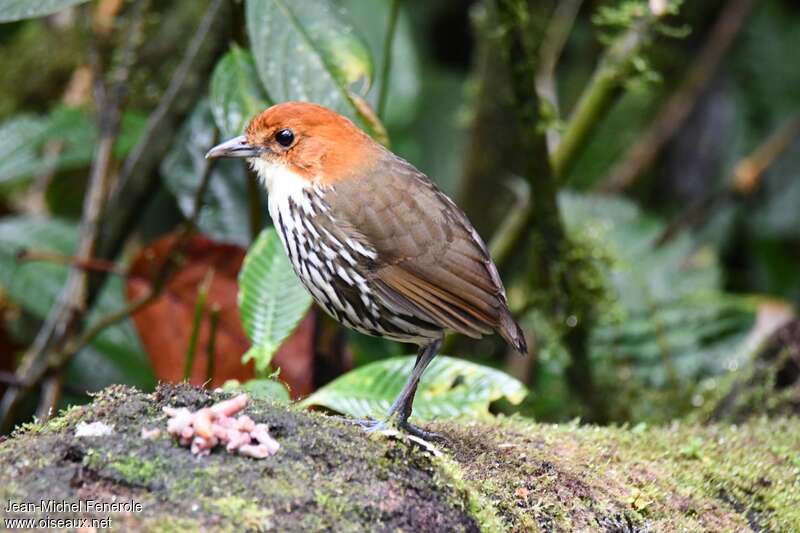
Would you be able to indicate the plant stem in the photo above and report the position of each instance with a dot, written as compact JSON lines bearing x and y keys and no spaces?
{"x":388,"y":42}
{"x":555,"y":38}
{"x":93,"y":264}
{"x":598,"y":97}
{"x":211,"y":347}
{"x":199,"y":311}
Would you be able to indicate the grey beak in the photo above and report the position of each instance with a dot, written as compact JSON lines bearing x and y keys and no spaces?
{"x":236,"y":147}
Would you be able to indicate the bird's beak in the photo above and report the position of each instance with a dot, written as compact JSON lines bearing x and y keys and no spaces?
{"x":236,"y":147}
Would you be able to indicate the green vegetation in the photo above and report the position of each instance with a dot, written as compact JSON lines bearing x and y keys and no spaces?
{"x":632,"y":165}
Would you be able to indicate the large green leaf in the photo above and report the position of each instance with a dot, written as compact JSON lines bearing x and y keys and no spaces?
{"x":449,"y":388}
{"x":224,"y":215}
{"x":371,"y":19}
{"x":236,"y":92}
{"x":308,"y":51}
{"x":271,"y":299}
{"x":115,"y":356}
{"x":11,"y":10}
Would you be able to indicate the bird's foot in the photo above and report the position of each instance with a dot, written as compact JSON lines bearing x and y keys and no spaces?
{"x":370,"y":425}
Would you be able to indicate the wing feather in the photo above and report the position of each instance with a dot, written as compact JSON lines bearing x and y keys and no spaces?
{"x":430,"y":261}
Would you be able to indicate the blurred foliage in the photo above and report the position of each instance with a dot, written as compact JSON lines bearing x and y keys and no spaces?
{"x":116,"y":355}
{"x":449,"y":388}
{"x":669,"y":320}
{"x":11,"y":10}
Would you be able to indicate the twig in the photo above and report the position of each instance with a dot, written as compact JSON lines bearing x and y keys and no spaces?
{"x":139,"y":177}
{"x":197,"y":320}
{"x":748,"y":172}
{"x":50,"y":395}
{"x":92,"y":264}
{"x":603,"y":88}
{"x":11,"y":379}
{"x":387,"y":58}
{"x":745,"y":178}
{"x":678,"y":107}
{"x":555,"y":38}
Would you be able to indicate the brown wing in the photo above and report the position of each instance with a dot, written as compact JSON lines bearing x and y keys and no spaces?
{"x":431,"y":261}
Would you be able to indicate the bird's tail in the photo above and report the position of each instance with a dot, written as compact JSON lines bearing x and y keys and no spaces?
{"x":509,"y":329}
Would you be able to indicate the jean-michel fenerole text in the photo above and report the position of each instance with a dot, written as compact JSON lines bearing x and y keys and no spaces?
{"x":76,"y":506}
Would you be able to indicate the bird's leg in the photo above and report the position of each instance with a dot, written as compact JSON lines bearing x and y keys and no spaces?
{"x":403,"y":403}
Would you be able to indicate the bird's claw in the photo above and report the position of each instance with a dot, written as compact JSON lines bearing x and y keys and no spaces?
{"x":418,"y":432}
{"x":370,"y":425}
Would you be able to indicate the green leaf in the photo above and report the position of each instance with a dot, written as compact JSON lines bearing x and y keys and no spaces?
{"x":224,"y":216}
{"x":24,"y":137}
{"x":11,"y":10}
{"x":236,"y":92}
{"x":271,"y":299}
{"x":308,"y":51}
{"x":115,"y":355}
{"x":262,"y":389}
{"x":371,"y":19}
{"x":19,"y":138}
{"x":449,"y":388}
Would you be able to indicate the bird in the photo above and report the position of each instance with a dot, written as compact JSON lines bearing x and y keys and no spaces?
{"x":377,"y":244}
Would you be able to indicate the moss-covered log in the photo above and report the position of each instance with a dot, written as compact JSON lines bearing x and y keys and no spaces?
{"x":495,"y":475}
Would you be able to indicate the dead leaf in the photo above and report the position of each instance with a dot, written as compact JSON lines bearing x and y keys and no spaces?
{"x":166,"y":325}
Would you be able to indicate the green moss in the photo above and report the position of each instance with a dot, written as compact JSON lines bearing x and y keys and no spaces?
{"x":247,"y":513}
{"x":137,"y":471}
{"x":450,"y":473}
{"x":681,"y":478}
{"x":326,"y":476}
{"x":170,"y":524}
{"x":506,"y":474}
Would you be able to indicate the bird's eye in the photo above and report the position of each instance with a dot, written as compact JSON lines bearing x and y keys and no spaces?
{"x":285,"y":137}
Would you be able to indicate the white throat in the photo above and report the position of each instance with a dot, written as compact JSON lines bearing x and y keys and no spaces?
{"x":279,"y":180}
{"x":285,"y":187}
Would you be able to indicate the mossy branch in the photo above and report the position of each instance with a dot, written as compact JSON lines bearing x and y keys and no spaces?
{"x":487,"y":475}
{"x":599,"y":95}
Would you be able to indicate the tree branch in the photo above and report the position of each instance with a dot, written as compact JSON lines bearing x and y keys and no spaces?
{"x":745,"y":178}
{"x":603,"y":89}
{"x":555,"y":38}
{"x":678,"y":107}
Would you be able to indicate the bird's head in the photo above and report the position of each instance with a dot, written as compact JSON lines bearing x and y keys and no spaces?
{"x":307,"y":140}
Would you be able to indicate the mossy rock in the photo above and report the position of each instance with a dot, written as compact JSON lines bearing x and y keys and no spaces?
{"x":493,"y":475}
